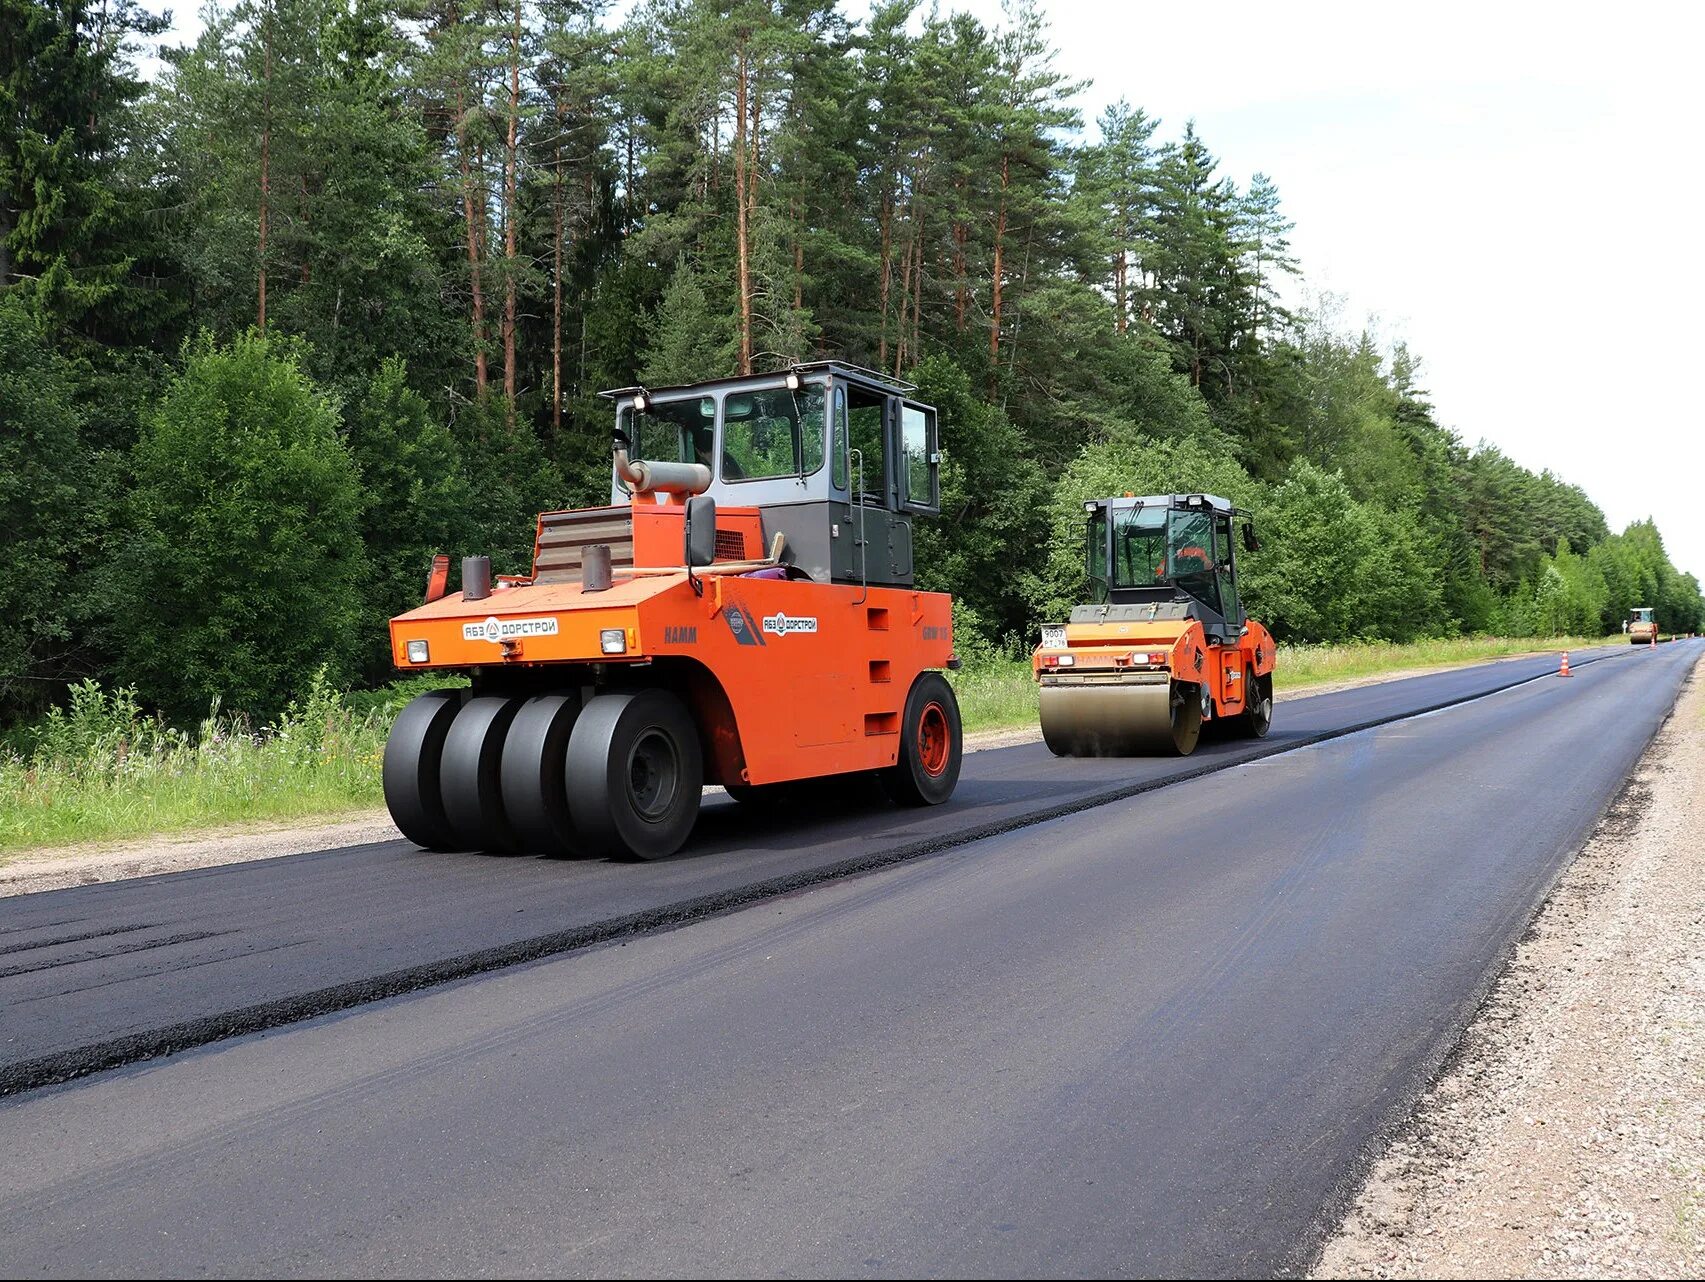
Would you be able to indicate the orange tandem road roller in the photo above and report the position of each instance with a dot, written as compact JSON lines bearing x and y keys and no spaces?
{"x":741,"y":613}
{"x":1164,"y":646}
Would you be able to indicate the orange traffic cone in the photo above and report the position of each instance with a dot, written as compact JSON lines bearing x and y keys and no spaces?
{"x":1564,"y":670}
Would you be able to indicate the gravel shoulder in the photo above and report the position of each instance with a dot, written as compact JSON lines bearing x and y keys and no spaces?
{"x":56,"y":868}
{"x":1566,"y":1135}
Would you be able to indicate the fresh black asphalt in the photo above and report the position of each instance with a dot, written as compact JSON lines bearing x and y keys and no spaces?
{"x":100,"y":976}
{"x":1158,"y":1036}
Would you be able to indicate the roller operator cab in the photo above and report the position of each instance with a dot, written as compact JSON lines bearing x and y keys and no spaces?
{"x":1642,"y":625}
{"x":741,"y":613}
{"x":1164,"y":644}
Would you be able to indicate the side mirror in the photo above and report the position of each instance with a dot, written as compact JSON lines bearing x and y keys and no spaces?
{"x":700,"y":525}
{"x":1250,"y":542}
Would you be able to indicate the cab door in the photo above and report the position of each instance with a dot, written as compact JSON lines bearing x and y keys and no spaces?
{"x":1225,"y":568}
{"x":919,"y":460}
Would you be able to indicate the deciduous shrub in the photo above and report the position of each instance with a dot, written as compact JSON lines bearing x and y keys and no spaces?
{"x":240,"y":571}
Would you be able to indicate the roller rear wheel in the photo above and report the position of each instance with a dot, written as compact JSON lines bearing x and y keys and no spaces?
{"x":534,"y":774}
{"x":470,"y":776}
{"x":1257,"y":716}
{"x":932,"y":744}
{"x":635,"y":775}
{"x":411,"y":768}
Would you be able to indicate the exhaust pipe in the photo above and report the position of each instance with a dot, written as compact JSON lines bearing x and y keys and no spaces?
{"x":595,"y":569}
{"x":671,"y":478}
{"x":476,"y":578}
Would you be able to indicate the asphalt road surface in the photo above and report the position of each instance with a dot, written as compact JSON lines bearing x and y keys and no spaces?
{"x":1155,"y":1034}
{"x":106,"y":975}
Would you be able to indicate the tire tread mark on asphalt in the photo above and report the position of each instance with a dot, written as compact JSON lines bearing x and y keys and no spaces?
{"x":137,"y":946}
{"x":96,"y":1057}
{"x":175,"y":969}
{"x":72,"y":939}
{"x":40,"y":925}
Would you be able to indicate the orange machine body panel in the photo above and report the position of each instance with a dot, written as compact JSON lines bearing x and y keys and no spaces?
{"x":1165,"y":645}
{"x":657,"y":531}
{"x":787,"y":678}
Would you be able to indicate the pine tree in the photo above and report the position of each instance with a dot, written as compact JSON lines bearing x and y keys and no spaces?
{"x":686,"y":343}
{"x":1116,"y":181}
{"x":1027,"y":108}
{"x":71,"y":228}
{"x":43,"y":478}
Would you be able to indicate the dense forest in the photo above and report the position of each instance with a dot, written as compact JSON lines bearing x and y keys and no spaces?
{"x":336,"y":288}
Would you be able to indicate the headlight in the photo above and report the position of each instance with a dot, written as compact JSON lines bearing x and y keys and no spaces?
{"x":417,"y":652}
{"x":613,"y":641}
{"x":1053,"y":636}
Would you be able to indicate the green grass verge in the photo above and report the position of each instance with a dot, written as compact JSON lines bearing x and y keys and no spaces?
{"x":99,"y":770}
{"x":1299,"y":666}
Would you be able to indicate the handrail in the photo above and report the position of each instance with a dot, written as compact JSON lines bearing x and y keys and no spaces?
{"x":863,"y":545}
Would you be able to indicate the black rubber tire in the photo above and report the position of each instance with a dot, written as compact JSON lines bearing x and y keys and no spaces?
{"x":469,"y":776}
{"x":928,"y":768}
{"x":1256,"y":719}
{"x":635,"y":775}
{"x":533,"y":774}
{"x":410,"y":772}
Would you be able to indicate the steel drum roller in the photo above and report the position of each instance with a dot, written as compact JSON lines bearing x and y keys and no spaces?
{"x":1090,"y":718}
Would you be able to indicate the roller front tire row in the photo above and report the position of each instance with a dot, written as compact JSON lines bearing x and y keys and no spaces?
{"x":621,"y":775}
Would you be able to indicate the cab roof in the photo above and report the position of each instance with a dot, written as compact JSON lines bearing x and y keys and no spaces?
{"x":1184,"y":502}
{"x":869,"y":378}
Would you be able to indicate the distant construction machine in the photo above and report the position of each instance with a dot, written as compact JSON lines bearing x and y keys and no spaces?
{"x":1164,"y":646}
{"x":741,"y":613}
{"x":1642,"y":625}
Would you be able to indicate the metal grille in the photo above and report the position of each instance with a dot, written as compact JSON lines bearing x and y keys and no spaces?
{"x":730,"y":545}
{"x":564,"y":537}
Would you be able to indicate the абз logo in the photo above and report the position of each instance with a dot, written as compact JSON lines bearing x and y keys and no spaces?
{"x":495,"y":629}
{"x":779,"y":624}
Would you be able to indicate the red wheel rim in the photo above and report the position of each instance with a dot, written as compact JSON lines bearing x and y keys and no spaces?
{"x":934,"y":742}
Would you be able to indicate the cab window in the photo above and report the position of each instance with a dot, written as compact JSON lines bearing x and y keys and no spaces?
{"x":1139,"y":547}
{"x":838,"y":441}
{"x":673,"y":432}
{"x":1190,"y":550}
{"x":772,"y":433}
{"x":865,"y":415}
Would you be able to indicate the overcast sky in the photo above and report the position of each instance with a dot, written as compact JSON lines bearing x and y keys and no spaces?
{"x":1511,"y":188}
